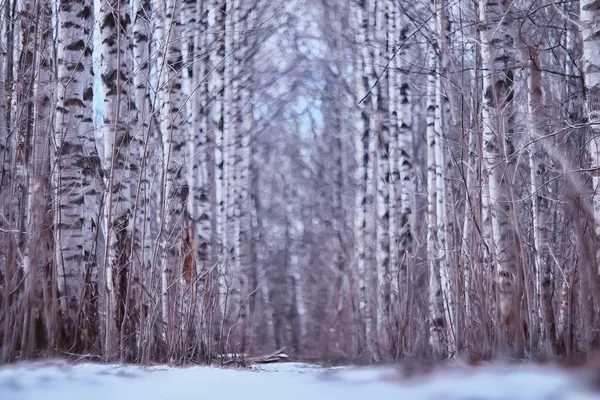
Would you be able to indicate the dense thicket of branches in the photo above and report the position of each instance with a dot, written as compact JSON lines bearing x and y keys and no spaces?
{"x":353,"y":180}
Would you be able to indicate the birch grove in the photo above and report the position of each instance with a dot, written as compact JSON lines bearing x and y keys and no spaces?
{"x":351,"y":181}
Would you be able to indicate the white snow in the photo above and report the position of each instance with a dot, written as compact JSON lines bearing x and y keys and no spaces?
{"x":57,"y":380}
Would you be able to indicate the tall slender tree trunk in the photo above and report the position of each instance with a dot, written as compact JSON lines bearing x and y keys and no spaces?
{"x":394,"y":172}
{"x":3,"y":128}
{"x":541,"y":196}
{"x":35,"y":67}
{"x":406,"y":188}
{"x":216,"y":88}
{"x":115,"y":19}
{"x":497,"y":45}
{"x":437,"y":324}
{"x":370,"y":142}
{"x":245,"y":122}
{"x":443,"y":218}
{"x":471,"y":246}
{"x":201,"y":178}
{"x":8,"y":184}
{"x":75,"y":179}
{"x":573,"y":114}
{"x":361,"y":177}
{"x":175,"y":167}
{"x":142,"y":240}
{"x":383,"y":183}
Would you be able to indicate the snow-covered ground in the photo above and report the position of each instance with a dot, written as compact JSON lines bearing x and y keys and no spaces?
{"x":58,"y":380}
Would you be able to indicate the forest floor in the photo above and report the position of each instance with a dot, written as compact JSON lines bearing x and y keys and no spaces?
{"x":54,"y":380}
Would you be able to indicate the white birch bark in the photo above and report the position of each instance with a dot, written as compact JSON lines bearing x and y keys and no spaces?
{"x":573,"y":115}
{"x":75,"y":172}
{"x":540,"y":191}
{"x":437,"y":324}
{"x":145,"y":177}
{"x":472,"y":226}
{"x":115,"y":18}
{"x":293,"y":289}
{"x":5,"y":147}
{"x":143,"y":138}
{"x":230,"y":103}
{"x":244,"y":77}
{"x":394,"y":172}
{"x":193,"y":34}
{"x":175,"y":167}
{"x":589,"y":18}
{"x":36,"y":68}
{"x":383,"y":182}
{"x":497,"y":47}
{"x":230,"y":127}
{"x":442,"y":215}
{"x":216,"y":24}
{"x":200,"y":179}
{"x":361,"y":153}
{"x":370,"y":140}
{"x":408,"y":180}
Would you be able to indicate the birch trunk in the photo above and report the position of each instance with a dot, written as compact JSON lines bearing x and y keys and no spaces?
{"x":175,"y":169}
{"x":498,"y":57}
{"x":370,"y":141}
{"x":244,"y":75}
{"x":442,"y":113}
{"x":76,"y":161}
{"x":230,"y":127}
{"x":574,"y":116}
{"x":35,"y":71}
{"x":540,"y":190}
{"x":394,"y":172}
{"x":5,"y":146}
{"x":216,"y":26}
{"x":472,"y":225}
{"x":145,"y":141}
{"x":115,"y":18}
{"x":383,"y":183}
{"x":362,"y":154}
{"x":437,"y":324}
{"x":4,"y":139}
{"x":12,"y":156}
{"x":201,"y":159}
{"x":406,"y":188}
{"x":193,"y":31}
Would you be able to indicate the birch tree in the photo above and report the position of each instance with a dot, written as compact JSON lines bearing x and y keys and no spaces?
{"x":361,"y":175}
{"x":76,"y":178}
{"x":407,"y":182}
{"x":246,"y":17}
{"x":589,"y":17}
{"x":383,"y":184}
{"x":144,"y":140}
{"x":115,"y":20}
{"x":35,"y":66}
{"x":541,"y":194}
{"x":437,"y":323}
{"x":175,"y":164}
{"x":499,"y":60}
{"x":216,"y":25}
